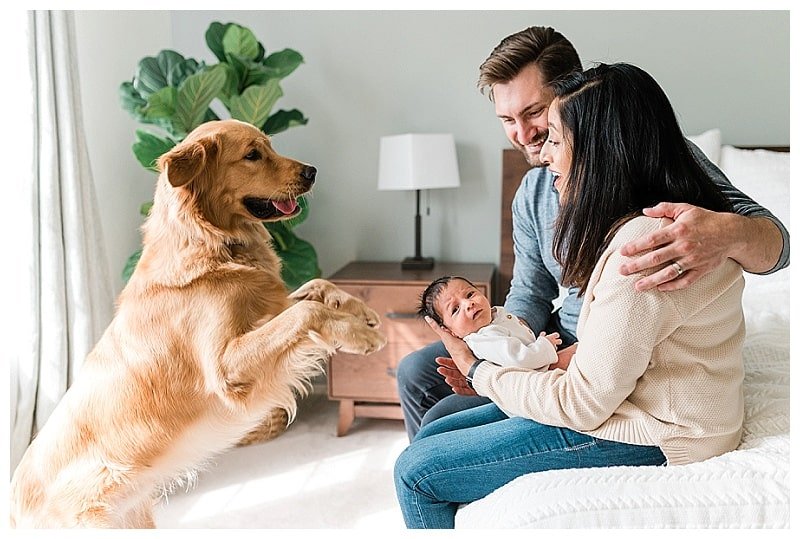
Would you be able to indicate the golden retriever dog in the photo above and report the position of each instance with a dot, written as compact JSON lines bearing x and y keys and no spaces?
{"x":205,"y":340}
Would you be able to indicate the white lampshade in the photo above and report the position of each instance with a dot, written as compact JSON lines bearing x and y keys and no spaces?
{"x":417,"y":161}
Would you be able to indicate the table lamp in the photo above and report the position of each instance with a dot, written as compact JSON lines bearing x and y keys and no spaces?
{"x":416,"y":162}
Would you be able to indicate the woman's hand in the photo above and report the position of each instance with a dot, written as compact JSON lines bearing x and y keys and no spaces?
{"x":455,"y":368}
{"x":453,"y":377}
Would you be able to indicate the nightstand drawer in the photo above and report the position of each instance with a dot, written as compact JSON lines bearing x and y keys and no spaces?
{"x":369,"y":378}
{"x":397,"y":306}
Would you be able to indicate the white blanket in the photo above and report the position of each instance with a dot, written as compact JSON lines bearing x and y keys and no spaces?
{"x":746,"y":488}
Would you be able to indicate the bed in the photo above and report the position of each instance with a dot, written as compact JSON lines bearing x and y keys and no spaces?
{"x":745,"y":488}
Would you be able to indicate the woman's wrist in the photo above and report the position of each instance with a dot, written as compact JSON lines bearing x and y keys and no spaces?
{"x":471,"y":372}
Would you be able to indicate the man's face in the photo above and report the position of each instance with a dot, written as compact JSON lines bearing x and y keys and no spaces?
{"x":521,"y":104}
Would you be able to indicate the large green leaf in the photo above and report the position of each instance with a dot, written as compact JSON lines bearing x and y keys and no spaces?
{"x":149,"y":147}
{"x":283,"y":120}
{"x":131,"y":100}
{"x":240,"y":41}
{"x":231,"y":86}
{"x":281,"y":235}
{"x":299,"y":262}
{"x":152,"y":73}
{"x":240,"y":66}
{"x":255,"y":103}
{"x":256,"y":75}
{"x":214,"y":35}
{"x":194,"y":97}
{"x":282,"y":63}
{"x":161,"y":104}
{"x":180,"y":71}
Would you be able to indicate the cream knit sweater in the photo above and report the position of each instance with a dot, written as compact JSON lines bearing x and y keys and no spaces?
{"x":652,"y":368}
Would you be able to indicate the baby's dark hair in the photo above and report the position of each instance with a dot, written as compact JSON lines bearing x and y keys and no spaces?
{"x":432,"y":292}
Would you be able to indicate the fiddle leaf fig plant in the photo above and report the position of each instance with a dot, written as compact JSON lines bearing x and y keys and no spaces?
{"x":174,"y":94}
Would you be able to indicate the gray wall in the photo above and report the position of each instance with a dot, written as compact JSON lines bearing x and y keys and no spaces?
{"x":109,"y":46}
{"x":374,"y":73}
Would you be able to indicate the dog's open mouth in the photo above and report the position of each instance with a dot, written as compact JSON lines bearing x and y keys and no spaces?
{"x":267,"y":209}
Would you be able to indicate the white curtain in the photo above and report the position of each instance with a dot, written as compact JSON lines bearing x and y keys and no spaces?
{"x":63,"y":295}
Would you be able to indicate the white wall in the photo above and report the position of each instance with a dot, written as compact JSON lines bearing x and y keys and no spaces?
{"x":110,"y":45}
{"x":373,"y":73}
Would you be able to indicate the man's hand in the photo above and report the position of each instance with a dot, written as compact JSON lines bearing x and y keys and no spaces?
{"x":564,"y":357}
{"x":697,"y":242}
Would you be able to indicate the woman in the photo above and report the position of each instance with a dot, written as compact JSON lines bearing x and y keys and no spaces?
{"x":657,"y":376}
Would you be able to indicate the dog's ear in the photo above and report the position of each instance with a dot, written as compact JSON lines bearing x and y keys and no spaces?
{"x":186,"y":161}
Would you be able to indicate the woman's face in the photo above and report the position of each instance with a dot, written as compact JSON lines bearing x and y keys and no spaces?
{"x":557,"y":152}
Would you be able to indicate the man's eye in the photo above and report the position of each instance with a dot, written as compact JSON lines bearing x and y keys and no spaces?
{"x":253,"y":155}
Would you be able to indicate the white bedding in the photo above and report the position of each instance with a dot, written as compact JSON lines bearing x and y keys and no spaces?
{"x":746,"y":488}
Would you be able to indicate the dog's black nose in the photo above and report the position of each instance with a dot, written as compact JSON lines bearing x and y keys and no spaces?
{"x":309,"y":173}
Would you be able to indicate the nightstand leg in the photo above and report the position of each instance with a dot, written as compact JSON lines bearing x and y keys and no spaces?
{"x":347,"y":413}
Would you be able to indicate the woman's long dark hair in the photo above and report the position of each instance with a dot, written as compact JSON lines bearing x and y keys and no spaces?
{"x":628,"y":153}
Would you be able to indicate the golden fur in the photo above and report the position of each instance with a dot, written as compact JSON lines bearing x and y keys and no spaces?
{"x":205,"y":341}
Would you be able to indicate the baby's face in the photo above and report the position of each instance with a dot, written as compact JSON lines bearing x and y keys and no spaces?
{"x":463,"y":308}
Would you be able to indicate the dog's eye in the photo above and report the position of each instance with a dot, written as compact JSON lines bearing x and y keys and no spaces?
{"x":253,"y":155}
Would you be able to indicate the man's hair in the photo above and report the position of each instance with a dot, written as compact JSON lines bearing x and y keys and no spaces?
{"x":628,"y":153}
{"x":432,"y":292}
{"x":548,"y":49}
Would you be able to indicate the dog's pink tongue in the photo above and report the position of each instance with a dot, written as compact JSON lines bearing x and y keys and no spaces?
{"x":285,"y":206}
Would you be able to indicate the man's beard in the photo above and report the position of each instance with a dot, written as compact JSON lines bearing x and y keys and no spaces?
{"x":531,"y":156}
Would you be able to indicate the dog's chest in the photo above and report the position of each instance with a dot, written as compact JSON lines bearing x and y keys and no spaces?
{"x":259,"y":255}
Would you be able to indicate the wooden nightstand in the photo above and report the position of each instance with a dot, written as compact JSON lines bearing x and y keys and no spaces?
{"x":366,"y":386}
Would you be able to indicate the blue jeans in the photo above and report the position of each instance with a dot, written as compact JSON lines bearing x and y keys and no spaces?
{"x":465,"y":456}
{"x":423,"y":390}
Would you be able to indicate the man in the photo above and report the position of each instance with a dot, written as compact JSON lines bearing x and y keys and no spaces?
{"x":516,"y":76}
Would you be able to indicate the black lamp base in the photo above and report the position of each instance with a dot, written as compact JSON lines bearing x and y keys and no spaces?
{"x":417,"y":263}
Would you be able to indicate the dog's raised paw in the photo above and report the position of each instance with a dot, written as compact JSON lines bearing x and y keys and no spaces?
{"x":364,"y":341}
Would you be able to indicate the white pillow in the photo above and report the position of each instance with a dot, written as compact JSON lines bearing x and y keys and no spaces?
{"x":761,"y":174}
{"x":710,"y":142}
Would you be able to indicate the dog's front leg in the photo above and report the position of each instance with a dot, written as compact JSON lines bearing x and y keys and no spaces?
{"x":289,"y":349}
{"x":334,"y":297}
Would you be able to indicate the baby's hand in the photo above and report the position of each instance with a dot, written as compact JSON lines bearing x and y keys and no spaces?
{"x":554,"y":338}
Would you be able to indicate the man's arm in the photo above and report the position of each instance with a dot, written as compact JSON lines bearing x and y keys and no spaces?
{"x":700,"y":240}
{"x":533,"y":287}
